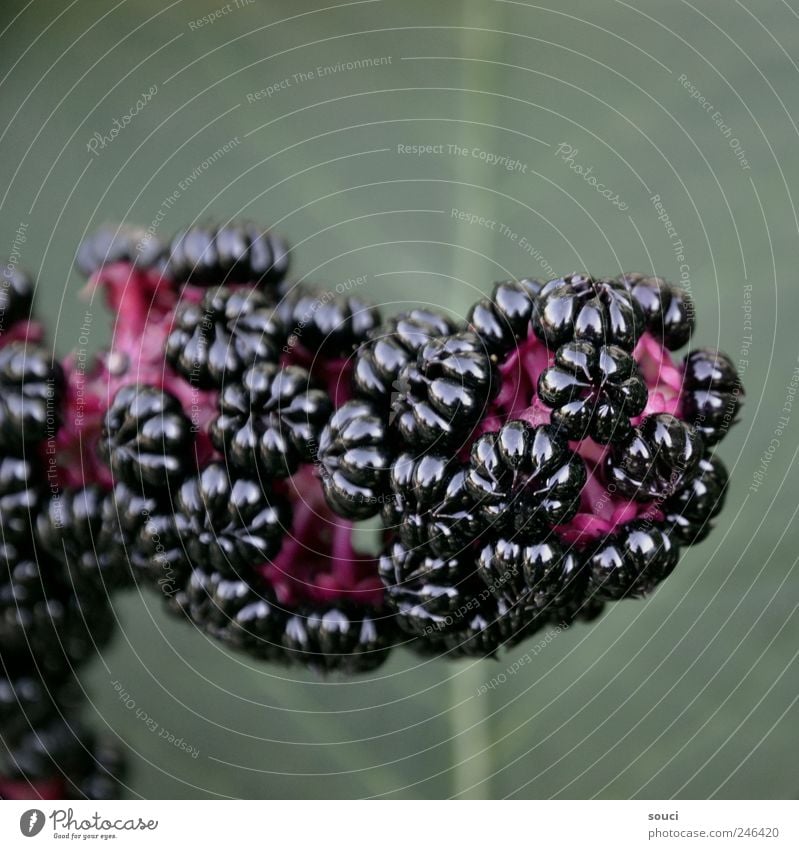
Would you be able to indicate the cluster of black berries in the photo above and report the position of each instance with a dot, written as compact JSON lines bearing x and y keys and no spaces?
{"x":213,"y":454}
{"x":528,"y":465}
{"x":54,"y":608}
{"x":545,"y":458}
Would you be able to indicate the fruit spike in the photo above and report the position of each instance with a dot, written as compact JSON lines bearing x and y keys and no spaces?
{"x":546,"y":456}
{"x":544,"y":459}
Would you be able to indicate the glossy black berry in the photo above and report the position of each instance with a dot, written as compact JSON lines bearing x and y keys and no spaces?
{"x":54,"y":748}
{"x":668,"y":310}
{"x":482,"y":629}
{"x":503,"y":320}
{"x":354,"y":458}
{"x":104,"y":779}
{"x":30,"y":394}
{"x":711,"y":394}
{"x":16,"y":296}
{"x":689,"y":511}
{"x":444,"y":393}
{"x":593,"y":391}
{"x":20,"y":497}
{"x":213,"y":342}
{"x":31,"y":602}
{"x":581,"y":608}
{"x":659,"y":457}
{"x":229,"y":526}
{"x":271,"y":419}
{"x":482,"y":634}
{"x":338,"y":639}
{"x":123,"y":243}
{"x":632,"y":562}
{"x":241,"y":613}
{"x":430,"y":506}
{"x":537,"y":576}
{"x":28,"y":698}
{"x":158,"y":555}
{"x":232,"y":253}
{"x":124,"y":511}
{"x":70,"y":527}
{"x":147,"y":438}
{"x":62,"y":749}
{"x":587,"y":309}
{"x":524,"y":478}
{"x":428,"y":594}
{"x":330,"y":325}
{"x":390,"y":347}
{"x":41,"y":614}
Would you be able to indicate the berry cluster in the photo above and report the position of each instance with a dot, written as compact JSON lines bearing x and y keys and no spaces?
{"x":543,"y":459}
{"x":526,"y":466}
{"x":52,"y":583}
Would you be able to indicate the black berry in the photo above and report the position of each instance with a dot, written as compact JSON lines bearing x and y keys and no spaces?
{"x":30,"y":393}
{"x":214,"y":341}
{"x":658,"y":458}
{"x":354,"y":457}
{"x":20,"y":498}
{"x":431,"y":507}
{"x":428,"y":594}
{"x":229,"y":525}
{"x":503,"y":320}
{"x":271,"y":419}
{"x":337,"y":639}
{"x":594,"y":391}
{"x":232,"y":253}
{"x":444,"y":393}
{"x":123,"y":243}
{"x":587,"y":309}
{"x":668,"y":310}
{"x":330,"y":325}
{"x":396,"y":342}
{"x":146,"y":438}
{"x":16,"y":296}
{"x":538,"y":576}
{"x":525,"y":478}
{"x":632,"y":562}
{"x":689,"y":511}
{"x":711,"y":394}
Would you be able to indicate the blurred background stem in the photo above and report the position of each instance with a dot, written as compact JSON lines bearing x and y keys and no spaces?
{"x":470,"y":721}
{"x":471,"y":756}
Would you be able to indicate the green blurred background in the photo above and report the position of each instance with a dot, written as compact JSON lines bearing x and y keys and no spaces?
{"x":689,"y":694}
